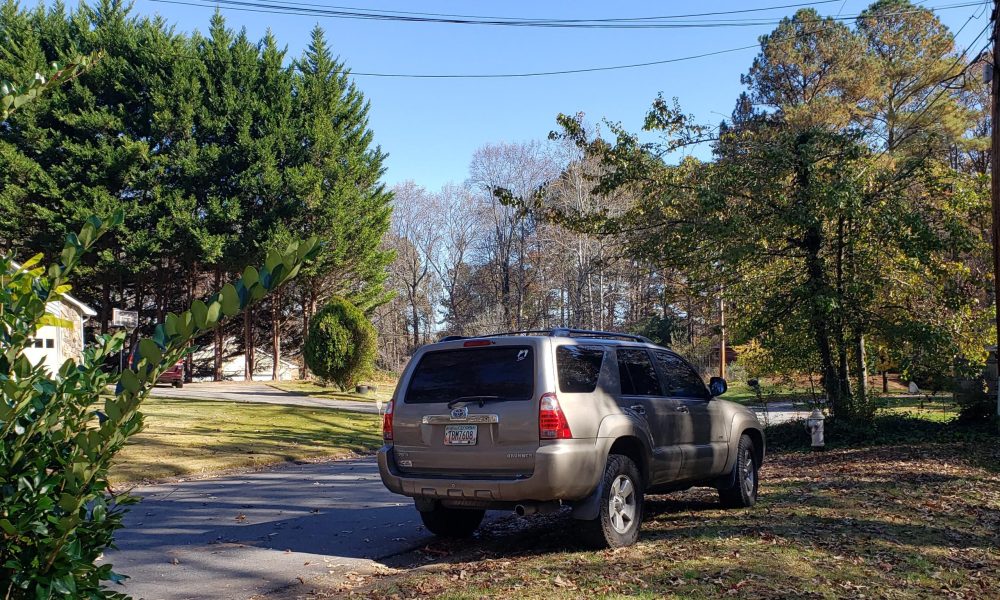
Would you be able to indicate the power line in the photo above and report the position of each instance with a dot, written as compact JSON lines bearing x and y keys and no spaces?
{"x":324,"y":11}
{"x":587,"y":69}
{"x":349,"y":72}
{"x":617,"y":19}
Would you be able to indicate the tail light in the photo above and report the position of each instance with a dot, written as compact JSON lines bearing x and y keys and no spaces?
{"x":387,"y":421}
{"x":552,"y":424}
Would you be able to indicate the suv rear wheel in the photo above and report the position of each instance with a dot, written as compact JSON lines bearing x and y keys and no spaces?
{"x":743,"y":492}
{"x":452,"y":522}
{"x":621,"y":505}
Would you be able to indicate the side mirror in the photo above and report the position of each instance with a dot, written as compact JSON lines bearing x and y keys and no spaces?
{"x":717,"y":386}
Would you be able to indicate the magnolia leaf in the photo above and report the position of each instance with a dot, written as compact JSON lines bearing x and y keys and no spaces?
{"x":273,"y":259}
{"x":199,"y":310}
{"x":214,"y":314}
{"x":185,"y":324}
{"x":34,"y":260}
{"x":250,"y":277}
{"x":258,"y":292}
{"x":171,"y":324}
{"x":54,"y":321}
{"x":129,"y":381}
{"x":230,"y":300}
{"x":150,"y":350}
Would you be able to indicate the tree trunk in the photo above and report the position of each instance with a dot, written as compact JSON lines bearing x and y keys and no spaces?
{"x":276,"y":336}
{"x":416,"y":320}
{"x":843,"y":366}
{"x":189,"y":359}
{"x":304,"y":372}
{"x":862,"y":369}
{"x":885,"y":381}
{"x":219,"y":337}
{"x":812,"y":244}
{"x":105,"y":307}
{"x":248,"y":344}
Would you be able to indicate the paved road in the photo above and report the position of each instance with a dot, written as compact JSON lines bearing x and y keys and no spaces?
{"x":780,"y":412}
{"x":259,"y":393}
{"x":234,"y":537}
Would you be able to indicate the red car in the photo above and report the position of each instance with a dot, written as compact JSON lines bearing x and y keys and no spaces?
{"x":174,"y":375}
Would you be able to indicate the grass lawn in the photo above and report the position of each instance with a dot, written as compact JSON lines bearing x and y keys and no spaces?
{"x":918,"y":520}
{"x":742,"y":393}
{"x":935,"y":408}
{"x":383,"y":391}
{"x":197,"y":437}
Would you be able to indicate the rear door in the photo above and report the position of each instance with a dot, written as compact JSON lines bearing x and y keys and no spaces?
{"x":699,"y":428}
{"x":643,"y":395}
{"x":469,"y":412}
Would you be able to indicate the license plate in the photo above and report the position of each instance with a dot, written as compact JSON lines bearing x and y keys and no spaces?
{"x":460,"y":435}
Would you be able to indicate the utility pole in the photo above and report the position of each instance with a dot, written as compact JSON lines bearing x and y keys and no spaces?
{"x":722,"y":333}
{"x":995,"y":177}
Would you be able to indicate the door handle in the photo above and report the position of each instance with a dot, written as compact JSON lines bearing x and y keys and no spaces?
{"x":681,"y":408}
{"x":638,"y":408}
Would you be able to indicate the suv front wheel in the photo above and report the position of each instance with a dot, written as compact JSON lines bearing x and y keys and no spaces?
{"x":742,"y":493}
{"x":452,"y":522}
{"x":621,"y":504}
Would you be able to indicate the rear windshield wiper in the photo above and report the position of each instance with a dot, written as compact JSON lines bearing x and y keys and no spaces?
{"x":481,"y":399}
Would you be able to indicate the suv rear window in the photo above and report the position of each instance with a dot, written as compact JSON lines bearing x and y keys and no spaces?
{"x":507,"y":372}
{"x":579,"y":368}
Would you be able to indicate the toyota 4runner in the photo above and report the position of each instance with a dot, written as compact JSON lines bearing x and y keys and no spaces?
{"x":531,"y":421}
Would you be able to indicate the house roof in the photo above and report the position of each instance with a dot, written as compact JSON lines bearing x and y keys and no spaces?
{"x":86,"y":310}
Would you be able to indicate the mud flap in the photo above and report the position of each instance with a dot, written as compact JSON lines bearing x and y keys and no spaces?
{"x":589,"y":508}
{"x":424,"y":504}
{"x":727,"y":481}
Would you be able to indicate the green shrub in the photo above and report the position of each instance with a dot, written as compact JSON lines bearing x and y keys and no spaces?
{"x":57,"y":511}
{"x":340,"y":346}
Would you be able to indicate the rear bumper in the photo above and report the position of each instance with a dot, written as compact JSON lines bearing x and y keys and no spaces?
{"x":564,"y":470}
{"x":170,"y":377}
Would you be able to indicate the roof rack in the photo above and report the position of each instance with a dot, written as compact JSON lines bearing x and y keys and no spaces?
{"x":567,"y":332}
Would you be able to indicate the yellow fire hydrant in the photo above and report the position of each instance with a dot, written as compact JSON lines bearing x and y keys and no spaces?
{"x":814,"y":424}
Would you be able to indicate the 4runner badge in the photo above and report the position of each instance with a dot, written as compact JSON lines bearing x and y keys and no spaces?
{"x":459,"y":413}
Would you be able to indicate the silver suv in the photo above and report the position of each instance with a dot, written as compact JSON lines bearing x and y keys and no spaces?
{"x":534,"y":420}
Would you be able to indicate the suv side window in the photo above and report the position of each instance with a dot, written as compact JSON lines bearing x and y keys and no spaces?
{"x":681,"y":380}
{"x":638,"y":377}
{"x":579,"y":368}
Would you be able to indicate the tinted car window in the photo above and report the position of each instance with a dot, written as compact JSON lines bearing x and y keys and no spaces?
{"x":681,"y":380}
{"x":507,"y":372}
{"x":579,"y":368}
{"x":638,"y":377}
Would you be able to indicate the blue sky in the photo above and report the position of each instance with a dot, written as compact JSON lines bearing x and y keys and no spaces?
{"x":431,"y":127}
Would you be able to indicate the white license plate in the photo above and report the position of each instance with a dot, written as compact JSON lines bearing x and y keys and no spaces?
{"x":460,"y":435}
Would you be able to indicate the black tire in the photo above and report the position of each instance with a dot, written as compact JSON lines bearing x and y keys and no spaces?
{"x":621,"y":505}
{"x":452,"y":522}
{"x":178,"y":384}
{"x":744,"y":477}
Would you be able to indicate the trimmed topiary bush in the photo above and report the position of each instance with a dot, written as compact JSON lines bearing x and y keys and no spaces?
{"x":340,"y":347}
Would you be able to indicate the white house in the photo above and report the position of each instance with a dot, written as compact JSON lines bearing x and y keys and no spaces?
{"x":56,"y":344}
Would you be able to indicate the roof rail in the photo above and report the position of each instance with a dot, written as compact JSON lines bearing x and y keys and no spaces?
{"x":567,"y":332}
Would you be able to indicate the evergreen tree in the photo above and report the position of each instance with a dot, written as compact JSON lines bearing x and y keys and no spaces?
{"x":335,"y":177}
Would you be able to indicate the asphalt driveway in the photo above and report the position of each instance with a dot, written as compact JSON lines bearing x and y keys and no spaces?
{"x":239,"y":536}
{"x":259,"y":393}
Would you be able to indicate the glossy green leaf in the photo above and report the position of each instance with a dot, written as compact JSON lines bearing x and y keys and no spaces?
{"x":199,"y":310}
{"x":149,"y":350}
{"x":230,"y":300}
